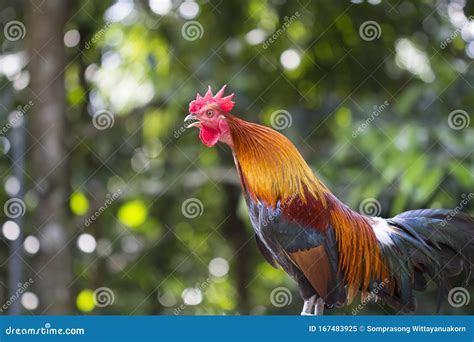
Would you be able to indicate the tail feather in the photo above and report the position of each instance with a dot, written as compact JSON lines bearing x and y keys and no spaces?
{"x":438,"y":243}
{"x":450,"y":234}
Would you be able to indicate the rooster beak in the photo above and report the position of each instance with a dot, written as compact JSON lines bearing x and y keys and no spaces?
{"x":189,"y":118}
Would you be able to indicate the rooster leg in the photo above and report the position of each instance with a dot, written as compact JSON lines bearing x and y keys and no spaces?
{"x":308,"y":306}
{"x":319,"y":307}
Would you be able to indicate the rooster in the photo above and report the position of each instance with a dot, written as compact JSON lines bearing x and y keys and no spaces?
{"x":331,"y":251}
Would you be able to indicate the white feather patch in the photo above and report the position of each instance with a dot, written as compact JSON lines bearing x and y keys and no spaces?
{"x":382,"y":230}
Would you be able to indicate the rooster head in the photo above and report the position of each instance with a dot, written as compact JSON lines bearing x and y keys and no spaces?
{"x":209,"y":114}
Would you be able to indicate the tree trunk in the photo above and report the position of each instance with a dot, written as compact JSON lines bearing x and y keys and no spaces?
{"x":235,"y":230}
{"x":46,"y":22}
{"x":15,"y":262}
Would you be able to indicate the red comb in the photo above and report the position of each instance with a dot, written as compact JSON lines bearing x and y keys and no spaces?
{"x":225,"y":103}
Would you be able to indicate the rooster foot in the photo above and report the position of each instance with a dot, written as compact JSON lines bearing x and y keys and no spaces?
{"x":314,"y":306}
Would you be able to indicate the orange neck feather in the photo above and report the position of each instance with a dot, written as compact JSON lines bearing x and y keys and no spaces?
{"x":273,"y":170}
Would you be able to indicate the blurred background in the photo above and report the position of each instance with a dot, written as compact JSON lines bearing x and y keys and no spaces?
{"x":111,"y":207}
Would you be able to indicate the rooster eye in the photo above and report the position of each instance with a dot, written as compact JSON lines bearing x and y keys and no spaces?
{"x":209,"y":113}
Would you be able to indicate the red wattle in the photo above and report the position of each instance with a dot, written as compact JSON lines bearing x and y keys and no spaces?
{"x":209,"y":136}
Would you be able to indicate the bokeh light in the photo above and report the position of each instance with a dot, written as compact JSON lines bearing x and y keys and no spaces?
{"x":86,"y":243}
{"x":31,"y":244}
{"x":30,"y":301}
{"x":290,"y":59}
{"x":11,"y":230}
{"x":218,"y":267}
